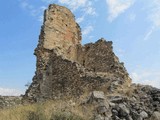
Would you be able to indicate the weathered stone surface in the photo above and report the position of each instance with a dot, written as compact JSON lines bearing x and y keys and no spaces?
{"x":65,"y":67}
{"x":98,"y":95}
{"x":155,"y":116}
{"x":60,"y":30}
{"x":117,"y":99}
{"x":144,"y":114}
{"x":124,"y":111}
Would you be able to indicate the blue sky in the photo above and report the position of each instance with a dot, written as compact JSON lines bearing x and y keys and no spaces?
{"x":132,"y":25}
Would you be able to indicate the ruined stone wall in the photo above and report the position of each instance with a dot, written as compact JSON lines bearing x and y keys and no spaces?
{"x":65,"y":79}
{"x":99,"y":57}
{"x":60,"y":31}
{"x":66,"y":68}
{"x":61,"y":77}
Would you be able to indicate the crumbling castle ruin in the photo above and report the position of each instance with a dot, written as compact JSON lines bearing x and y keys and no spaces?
{"x":85,"y":80}
{"x":67,"y":68}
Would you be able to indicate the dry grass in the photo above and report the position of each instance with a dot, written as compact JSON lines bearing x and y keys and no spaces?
{"x":58,"y":110}
{"x":16,"y":113}
{"x":126,"y":90}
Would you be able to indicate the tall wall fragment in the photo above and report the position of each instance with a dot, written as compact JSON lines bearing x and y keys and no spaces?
{"x":66,"y":68}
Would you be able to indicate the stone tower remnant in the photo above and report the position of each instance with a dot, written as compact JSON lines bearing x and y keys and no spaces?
{"x":66,"y":68}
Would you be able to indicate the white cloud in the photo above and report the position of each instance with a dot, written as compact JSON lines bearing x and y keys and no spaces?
{"x":80,"y":19}
{"x":89,"y":9}
{"x":74,"y":4}
{"x":117,"y":7}
{"x":120,"y":52}
{"x":26,"y":5}
{"x":35,"y":12}
{"x":154,"y":15}
{"x":152,"y":8}
{"x":149,"y":33}
{"x":87,"y":30}
{"x":146,"y":77}
{"x":40,"y":18}
{"x":10,"y":92}
{"x":85,"y":5}
{"x":91,"y":37}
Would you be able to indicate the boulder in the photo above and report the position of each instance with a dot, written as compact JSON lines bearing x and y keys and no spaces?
{"x":155,"y":116}
{"x":98,"y":95}
{"x":124,"y":111}
{"x":144,"y":115}
{"x":98,"y":98}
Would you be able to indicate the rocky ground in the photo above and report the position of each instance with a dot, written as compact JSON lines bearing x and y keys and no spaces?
{"x":141,"y":103}
{"x":9,"y":101}
{"x":137,"y":102}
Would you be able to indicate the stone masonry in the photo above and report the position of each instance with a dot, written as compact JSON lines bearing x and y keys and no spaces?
{"x":66,"y":68}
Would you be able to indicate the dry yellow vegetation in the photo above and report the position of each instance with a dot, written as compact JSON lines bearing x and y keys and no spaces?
{"x":50,"y":110}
